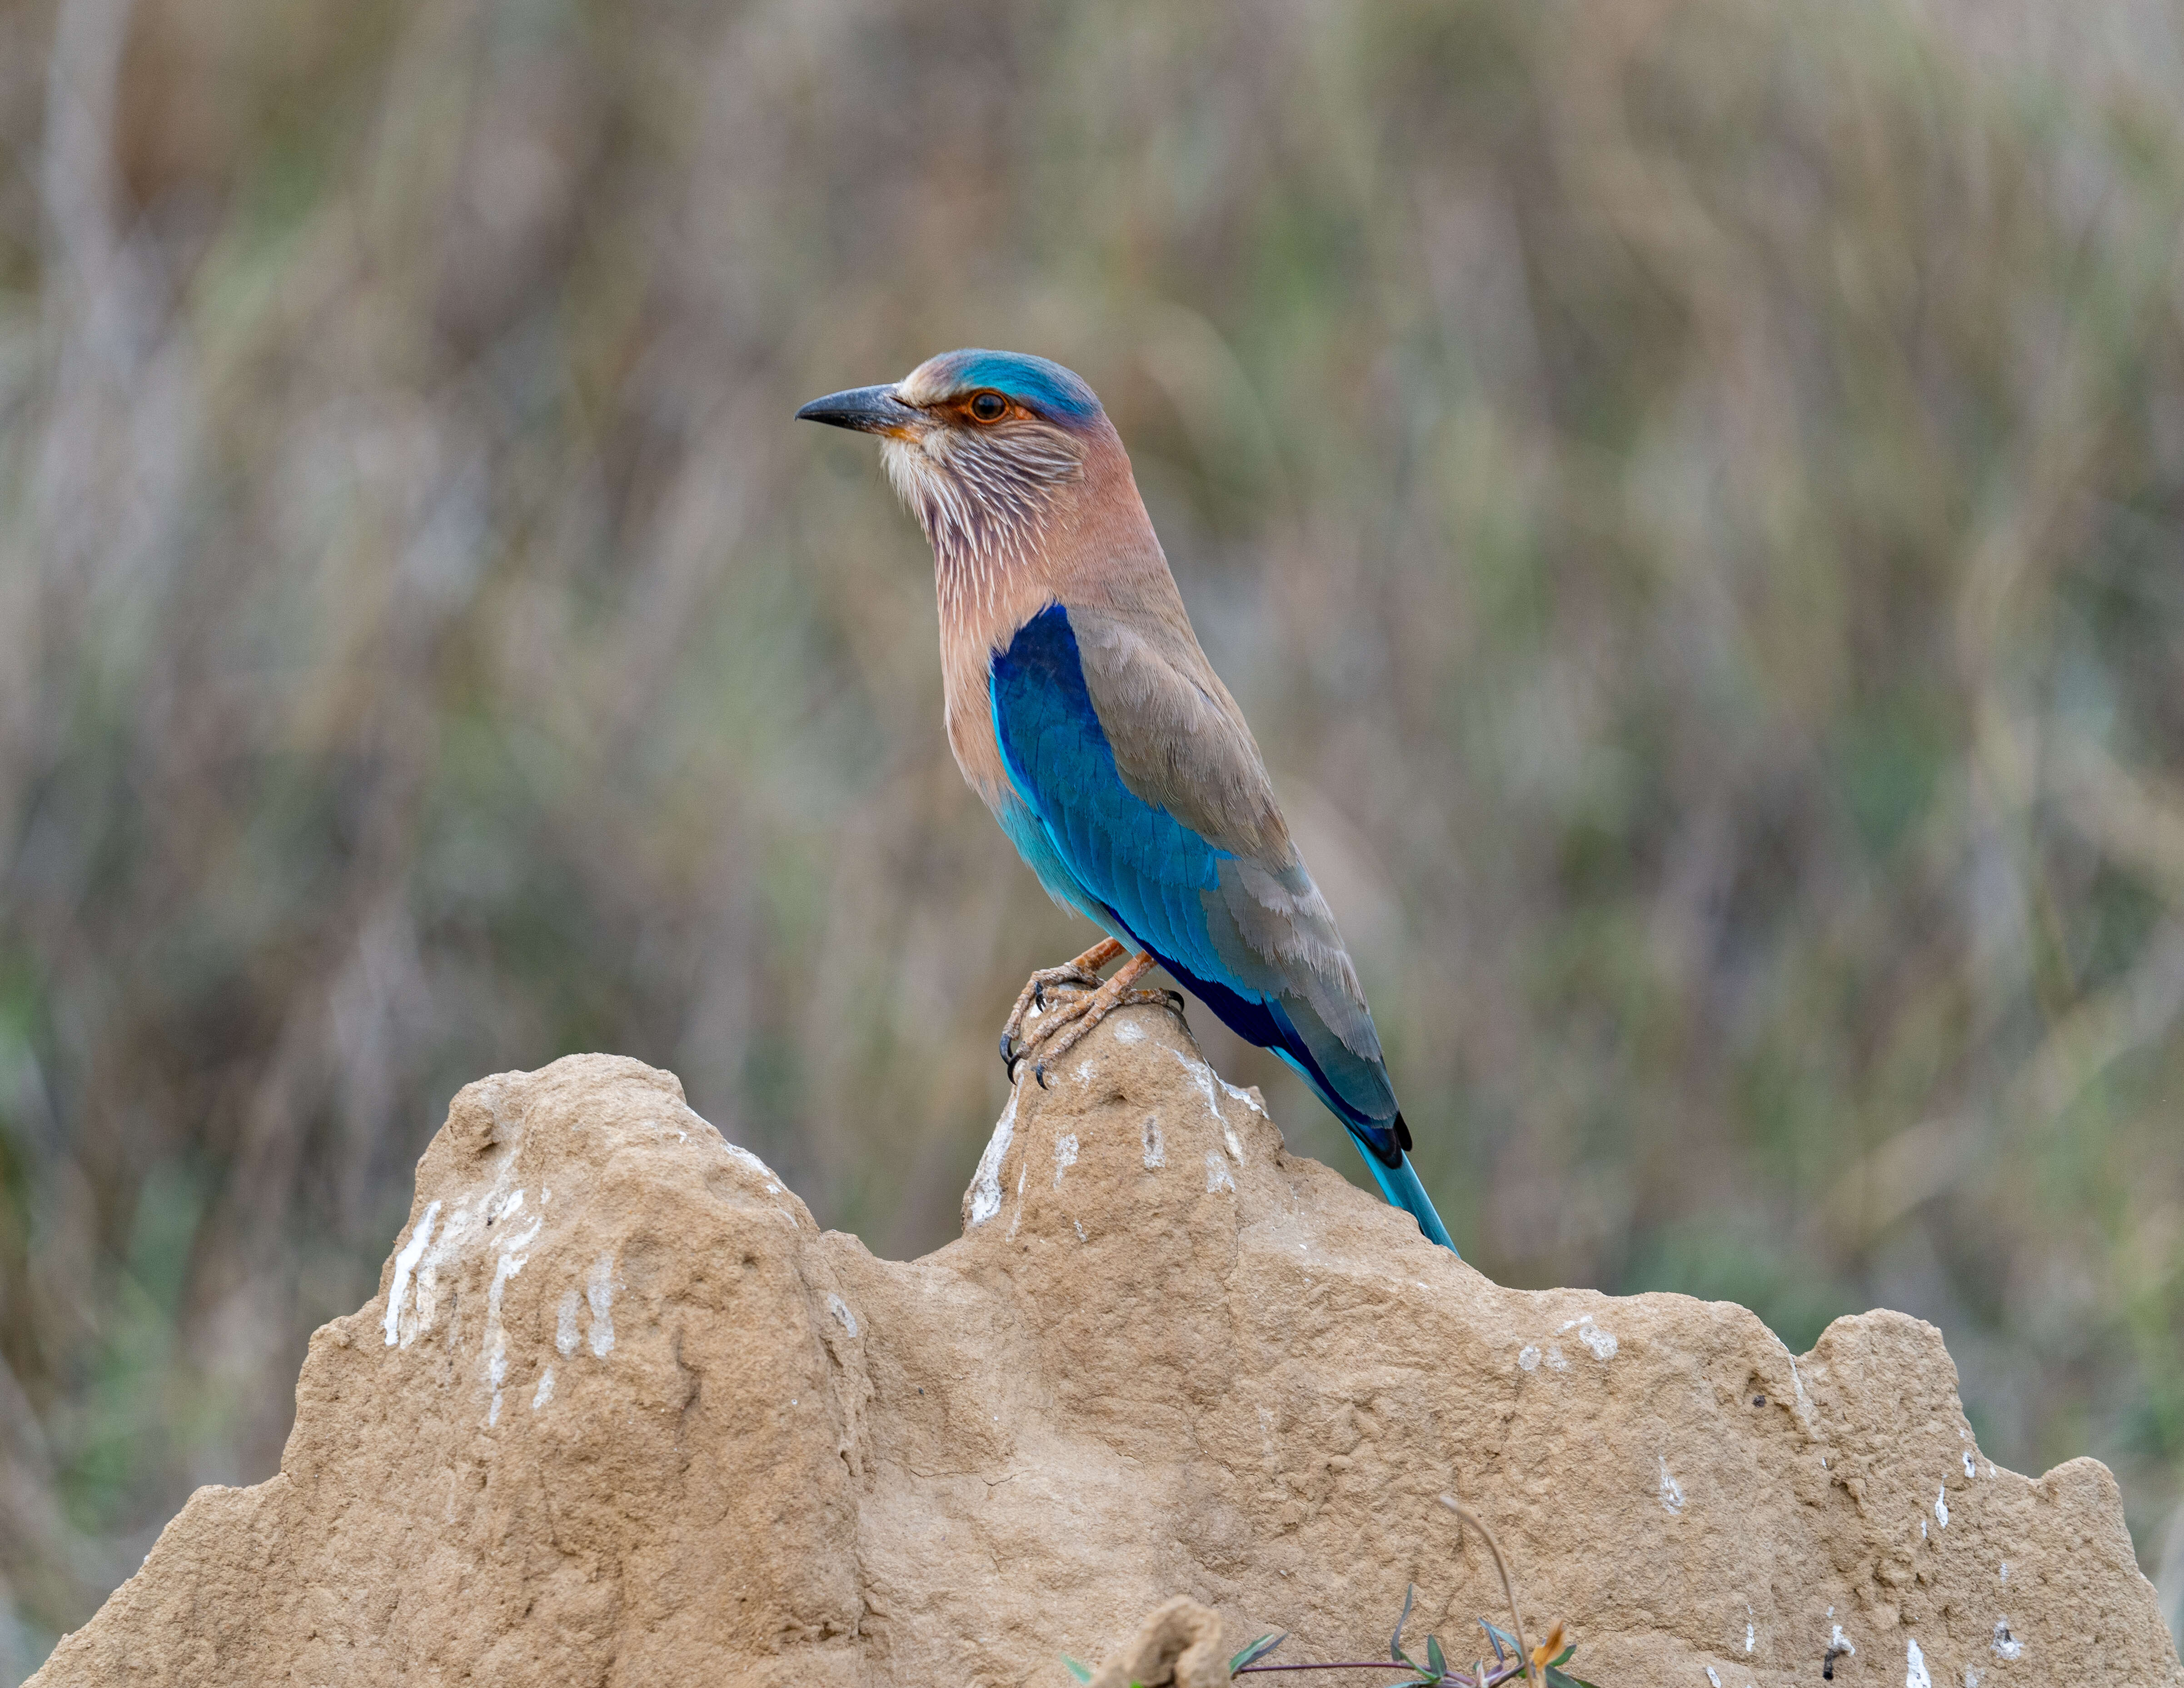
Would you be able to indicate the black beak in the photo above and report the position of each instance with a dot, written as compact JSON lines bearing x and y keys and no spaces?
{"x":869,"y":410}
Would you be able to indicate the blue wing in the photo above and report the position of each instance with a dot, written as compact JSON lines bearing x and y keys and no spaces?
{"x":1151,"y":880}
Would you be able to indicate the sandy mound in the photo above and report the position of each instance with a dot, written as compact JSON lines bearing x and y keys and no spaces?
{"x":622,"y":1413}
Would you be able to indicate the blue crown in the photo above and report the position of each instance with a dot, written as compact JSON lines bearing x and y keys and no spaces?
{"x":1035,"y":383}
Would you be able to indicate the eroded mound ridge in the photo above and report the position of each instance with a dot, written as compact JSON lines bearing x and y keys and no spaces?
{"x":622,"y":1413}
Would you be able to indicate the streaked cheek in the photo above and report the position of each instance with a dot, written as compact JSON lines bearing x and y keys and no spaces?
{"x":907,"y":465}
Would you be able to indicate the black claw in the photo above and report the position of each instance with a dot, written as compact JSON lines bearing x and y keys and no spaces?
{"x":1175,"y":999}
{"x":1038,"y":995}
{"x":1038,"y":1071}
{"x":1009,"y":1056}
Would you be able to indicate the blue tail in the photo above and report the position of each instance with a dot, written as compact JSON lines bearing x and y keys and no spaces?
{"x":1268,"y":1024}
{"x":1401,"y":1185}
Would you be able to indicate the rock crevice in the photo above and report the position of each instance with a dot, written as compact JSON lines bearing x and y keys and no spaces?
{"x":622,"y":1413}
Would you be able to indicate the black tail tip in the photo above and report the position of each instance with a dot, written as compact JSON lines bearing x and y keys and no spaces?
{"x":1384,"y":1144}
{"x":1402,"y":1134}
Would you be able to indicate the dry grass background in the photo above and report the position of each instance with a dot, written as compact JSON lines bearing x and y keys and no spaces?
{"x":1691,"y":494}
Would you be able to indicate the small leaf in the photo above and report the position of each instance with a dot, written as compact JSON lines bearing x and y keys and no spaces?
{"x":1077,"y":1670}
{"x":1562,"y":1658}
{"x":1502,"y":1638}
{"x":1395,"y":1641}
{"x":1563,"y":1679}
{"x":1257,"y":1650}
{"x":1435,"y":1661}
{"x":1494,"y":1636}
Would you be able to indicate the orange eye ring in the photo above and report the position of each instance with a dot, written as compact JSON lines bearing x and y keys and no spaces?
{"x":988,"y":407}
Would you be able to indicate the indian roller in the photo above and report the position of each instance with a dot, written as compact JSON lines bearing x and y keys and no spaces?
{"x":1081,"y":708}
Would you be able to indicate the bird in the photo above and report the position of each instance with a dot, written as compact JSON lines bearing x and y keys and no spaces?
{"x":1081,"y":707}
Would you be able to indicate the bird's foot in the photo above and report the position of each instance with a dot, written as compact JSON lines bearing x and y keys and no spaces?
{"x":1082,"y":974}
{"x":1065,"y":1025}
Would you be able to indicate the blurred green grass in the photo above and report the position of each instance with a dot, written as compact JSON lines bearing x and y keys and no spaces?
{"x":1689,"y":496}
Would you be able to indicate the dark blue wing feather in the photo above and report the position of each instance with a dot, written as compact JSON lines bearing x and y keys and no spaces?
{"x":1146,"y":871}
{"x":1131,"y":857}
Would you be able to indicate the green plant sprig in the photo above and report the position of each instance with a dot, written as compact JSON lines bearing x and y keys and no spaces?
{"x":1512,"y":1658}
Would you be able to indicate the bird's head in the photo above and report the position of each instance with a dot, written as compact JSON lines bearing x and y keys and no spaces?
{"x":980,"y":445}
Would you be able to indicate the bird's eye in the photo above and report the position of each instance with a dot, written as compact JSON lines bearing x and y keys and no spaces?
{"x":989,"y":407}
